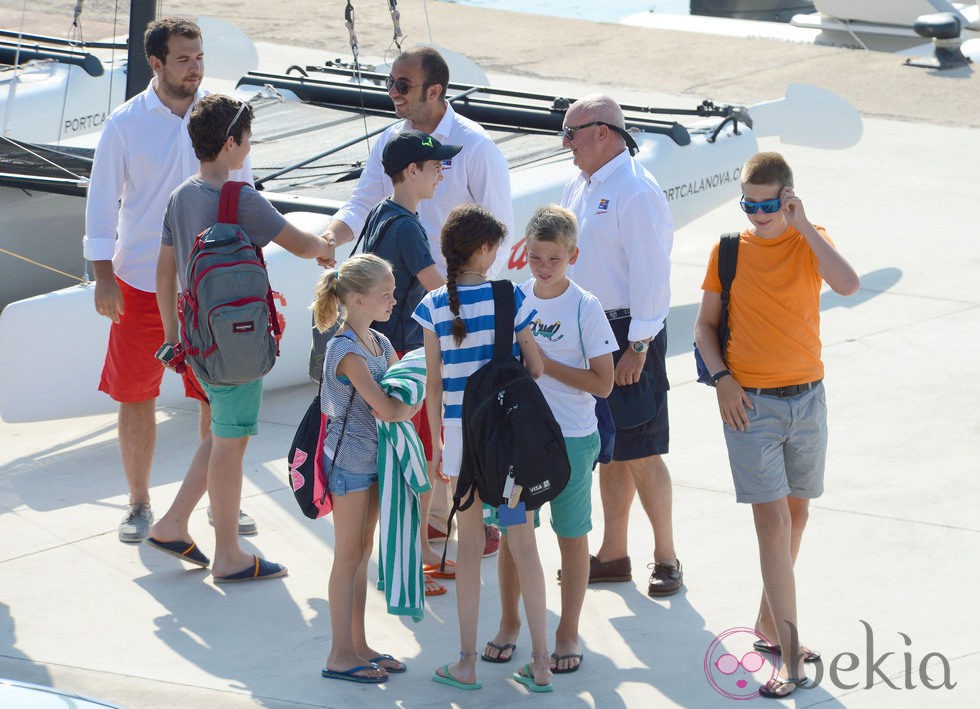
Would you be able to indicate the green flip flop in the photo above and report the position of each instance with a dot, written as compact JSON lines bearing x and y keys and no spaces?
{"x":526,"y":677}
{"x":447,"y":678}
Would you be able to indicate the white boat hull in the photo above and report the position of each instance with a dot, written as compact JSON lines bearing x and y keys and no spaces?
{"x":52,"y":346}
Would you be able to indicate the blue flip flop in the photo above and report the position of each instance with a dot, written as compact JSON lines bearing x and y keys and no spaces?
{"x":352,"y":676}
{"x":260,"y":569}
{"x":526,"y":677}
{"x":185,"y":551}
{"x":402,"y":667}
{"x":447,"y":678}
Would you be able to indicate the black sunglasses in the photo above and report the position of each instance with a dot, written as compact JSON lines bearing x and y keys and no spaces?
{"x":569,"y":133}
{"x":402,"y":86}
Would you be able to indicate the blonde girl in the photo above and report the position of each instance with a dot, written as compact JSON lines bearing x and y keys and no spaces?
{"x":360,"y":292}
{"x":458,"y":322}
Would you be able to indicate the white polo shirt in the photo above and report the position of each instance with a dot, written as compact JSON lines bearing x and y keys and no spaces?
{"x":478,"y":173}
{"x":144,"y":154}
{"x":625,"y":237}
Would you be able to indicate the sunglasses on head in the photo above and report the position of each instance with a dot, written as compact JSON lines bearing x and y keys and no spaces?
{"x":769,"y":206}
{"x":402,"y":86}
{"x":268,"y":91}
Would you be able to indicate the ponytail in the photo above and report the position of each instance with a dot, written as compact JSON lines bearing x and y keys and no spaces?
{"x":326,"y":304}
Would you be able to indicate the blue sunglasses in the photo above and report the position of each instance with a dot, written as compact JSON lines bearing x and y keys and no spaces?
{"x":769,"y":206}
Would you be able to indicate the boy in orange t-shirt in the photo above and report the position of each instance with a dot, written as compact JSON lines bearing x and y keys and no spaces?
{"x":769,"y":386}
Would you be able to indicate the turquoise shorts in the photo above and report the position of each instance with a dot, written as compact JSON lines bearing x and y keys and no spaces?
{"x":234,"y":409}
{"x":571,"y":511}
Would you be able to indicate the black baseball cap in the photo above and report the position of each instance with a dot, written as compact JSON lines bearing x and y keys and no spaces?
{"x":414,"y":146}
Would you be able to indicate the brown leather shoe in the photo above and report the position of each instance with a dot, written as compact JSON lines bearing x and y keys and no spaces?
{"x":666,"y":579}
{"x":615,"y":570}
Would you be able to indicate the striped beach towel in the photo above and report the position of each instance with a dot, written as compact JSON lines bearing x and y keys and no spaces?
{"x":402,"y":477}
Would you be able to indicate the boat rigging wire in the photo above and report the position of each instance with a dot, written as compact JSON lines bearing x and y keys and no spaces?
{"x":44,"y":265}
{"x":16,"y":77}
{"x":398,"y":36}
{"x":428,"y":25}
{"x":349,"y":22}
{"x":26,"y":149}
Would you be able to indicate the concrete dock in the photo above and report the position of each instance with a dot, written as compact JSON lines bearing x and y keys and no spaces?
{"x":888,"y":573}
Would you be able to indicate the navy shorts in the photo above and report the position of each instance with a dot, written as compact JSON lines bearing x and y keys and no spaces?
{"x":652,"y":437}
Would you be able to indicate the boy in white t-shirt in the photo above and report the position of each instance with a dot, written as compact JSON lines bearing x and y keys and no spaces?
{"x":577,"y":343}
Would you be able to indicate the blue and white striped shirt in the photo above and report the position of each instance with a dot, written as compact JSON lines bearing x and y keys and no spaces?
{"x":460,"y":363}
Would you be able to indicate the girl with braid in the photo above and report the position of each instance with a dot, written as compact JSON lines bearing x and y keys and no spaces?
{"x":458,"y":330}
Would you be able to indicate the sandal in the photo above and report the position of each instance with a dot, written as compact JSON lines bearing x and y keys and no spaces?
{"x":774,"y":650}
{"x":770,"y":690}
{"x":498,"y":660}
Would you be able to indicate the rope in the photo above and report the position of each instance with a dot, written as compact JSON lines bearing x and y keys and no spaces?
{"x":37,"y":263}
{"x":349,"y":21}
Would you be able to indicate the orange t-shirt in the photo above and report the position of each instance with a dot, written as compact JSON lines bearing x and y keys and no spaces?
{"x":773,"y":311}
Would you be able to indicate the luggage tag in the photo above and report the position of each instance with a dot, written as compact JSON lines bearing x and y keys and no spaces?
{"x":513,"y":511}
{"x":509,"y":516}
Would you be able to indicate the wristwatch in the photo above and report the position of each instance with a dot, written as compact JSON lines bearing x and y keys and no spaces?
{"x":639,"y":347}
{"x":717,"y":376}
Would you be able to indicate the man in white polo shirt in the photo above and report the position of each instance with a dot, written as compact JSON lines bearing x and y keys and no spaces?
{"x":417,"y":87}
{"x":625,"y":237}
{"x":144,"y":153}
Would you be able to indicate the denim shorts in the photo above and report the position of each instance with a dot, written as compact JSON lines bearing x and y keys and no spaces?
{"x":340,"y":481}
{"x":783,"y":450}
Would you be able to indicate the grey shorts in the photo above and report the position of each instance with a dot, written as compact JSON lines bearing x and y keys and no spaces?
{"x":783,"y":450}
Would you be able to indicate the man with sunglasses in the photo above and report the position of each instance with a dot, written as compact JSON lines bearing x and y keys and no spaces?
{"x":144,"y":153}
{"x":769,"y":387}
{"x":479,"y":173}
{"x":625,"y":237}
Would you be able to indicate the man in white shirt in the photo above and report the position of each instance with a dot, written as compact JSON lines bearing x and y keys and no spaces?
{"x":479,"y":173}
{"x":625,"y":237}
{"x":144,"y":153}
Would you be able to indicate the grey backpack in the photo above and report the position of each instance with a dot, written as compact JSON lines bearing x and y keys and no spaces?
{"x":229,"y":328}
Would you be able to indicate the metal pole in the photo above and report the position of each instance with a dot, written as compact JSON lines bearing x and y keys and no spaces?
{"x":138,"y":72}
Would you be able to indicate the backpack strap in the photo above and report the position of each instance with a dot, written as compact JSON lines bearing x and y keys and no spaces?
{"x":385,"y":225}
{"x":228,"y":203}
{"x":228,"y":214}
{"x":727,"y":260}
{"x":503,"y":317}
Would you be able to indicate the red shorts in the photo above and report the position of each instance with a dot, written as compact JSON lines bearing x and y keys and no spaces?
{"x":132,"y":373}
{"x":421,"y":422}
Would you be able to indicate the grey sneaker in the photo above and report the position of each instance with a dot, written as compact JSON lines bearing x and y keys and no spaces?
{"x":246,"y":525}
{"x":135,"y":526}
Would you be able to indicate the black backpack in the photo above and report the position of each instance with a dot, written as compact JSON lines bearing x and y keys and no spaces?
{"x":727,"y":260}
{"x":509,"y":430}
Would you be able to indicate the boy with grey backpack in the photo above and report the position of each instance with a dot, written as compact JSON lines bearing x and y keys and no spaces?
{"x":228,"y":329}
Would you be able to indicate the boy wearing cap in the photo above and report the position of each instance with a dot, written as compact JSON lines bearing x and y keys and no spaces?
{"x":413,"y":160}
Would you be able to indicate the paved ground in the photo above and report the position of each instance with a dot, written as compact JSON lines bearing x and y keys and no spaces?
{"x":892,"y":544}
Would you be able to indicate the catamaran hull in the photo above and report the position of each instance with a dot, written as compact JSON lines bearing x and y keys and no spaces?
{"x":52,"y":346}
{"x":45,"y":228}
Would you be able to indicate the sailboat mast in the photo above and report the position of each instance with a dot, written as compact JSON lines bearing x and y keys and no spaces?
{"x":138,"y":72}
